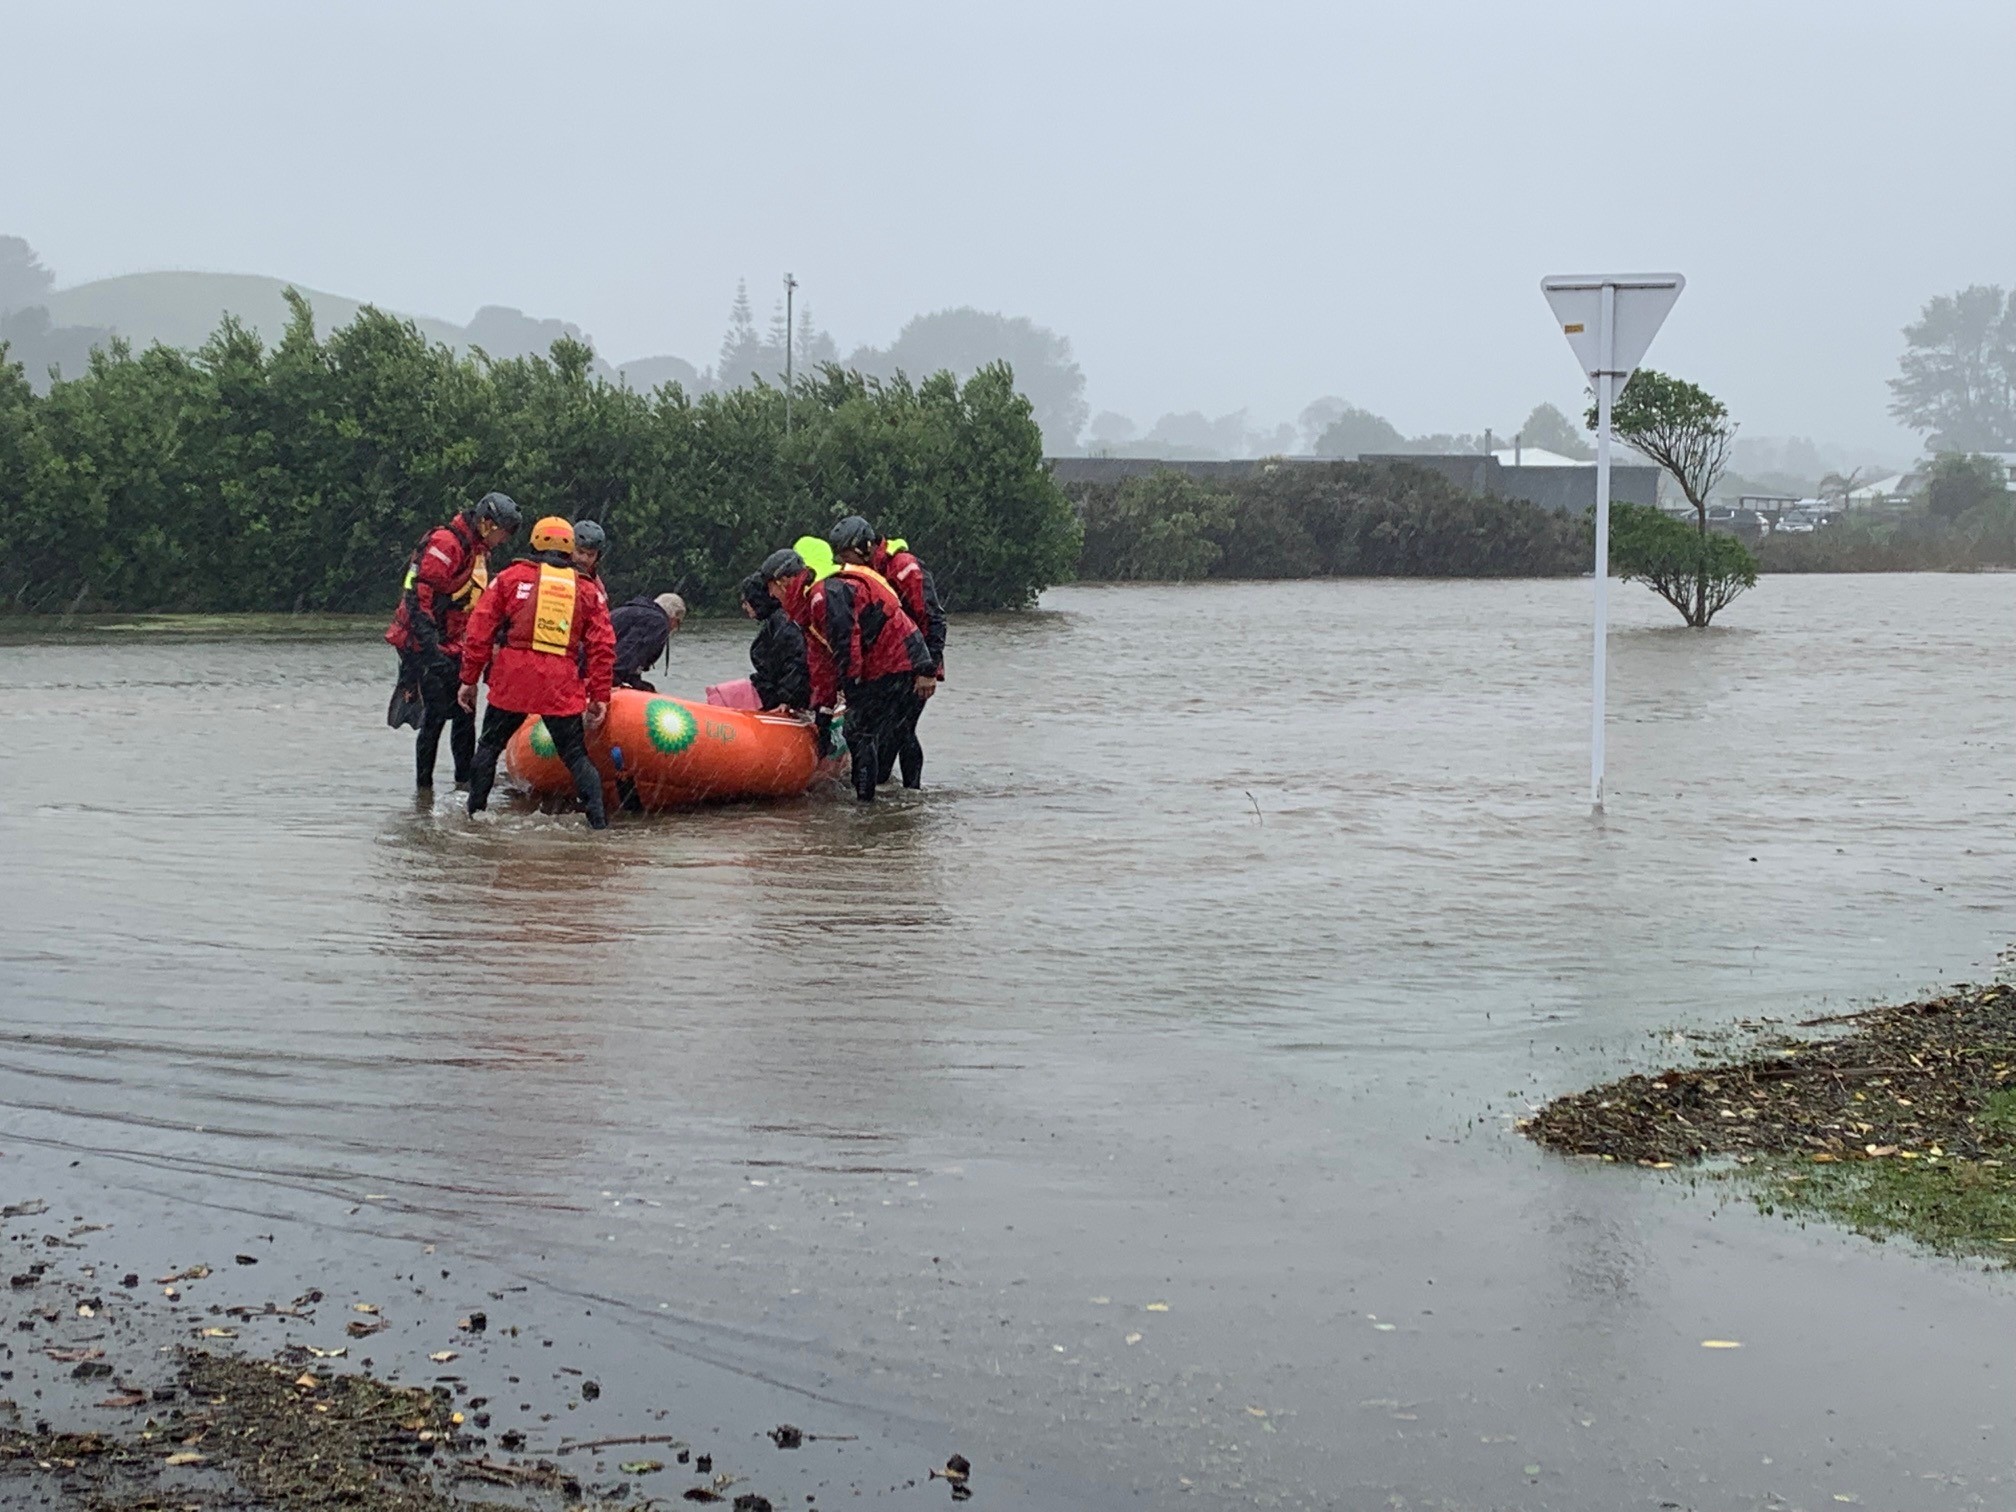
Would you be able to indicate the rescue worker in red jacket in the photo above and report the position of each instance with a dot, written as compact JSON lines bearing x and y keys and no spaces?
{"x":444,"y":577}
{"x":859,"y":641}
{"x":528,"y":630}
{"x":857,"y":540}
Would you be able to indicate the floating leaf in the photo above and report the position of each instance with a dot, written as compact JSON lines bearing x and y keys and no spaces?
{"x":365,"y":1307}
{"x":641,"y":1467}
{"x":1721,"y":1344}
{"x":1156,"y":1307}
{"x":1256,"y":1412}
{"x":220,"y":1333}
{"x":443,"y":1356}
{"x":184,"y":1458}
{"x":327,"y":1354}
{"x":1134,"y":1338}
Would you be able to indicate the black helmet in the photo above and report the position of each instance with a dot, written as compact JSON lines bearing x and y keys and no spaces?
{"x":851,"y":534}
{"x":781,"y":564}
{"x":756,"y":593}
{"x":497,"y":509}
{"x":588,"y":536}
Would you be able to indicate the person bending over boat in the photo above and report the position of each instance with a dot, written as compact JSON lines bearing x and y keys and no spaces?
{"x":860,"y":642}
{"x":529,"y":630}
{"x":444,"y":576}
{"x":644,"y":626}
{"x":855,"y":540}
{"x":777,"y":655}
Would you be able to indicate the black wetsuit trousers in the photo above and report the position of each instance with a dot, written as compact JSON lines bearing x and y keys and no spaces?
{"x":877,"y":712}
{"x":569,"y":740}
{"x":439,"y":683}
{"x":910,"y":755}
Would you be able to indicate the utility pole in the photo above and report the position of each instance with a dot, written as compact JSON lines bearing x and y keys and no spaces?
{"x":790,"y":337}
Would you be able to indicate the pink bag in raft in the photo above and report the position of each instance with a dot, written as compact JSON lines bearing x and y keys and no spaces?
{"x":740,"y":694}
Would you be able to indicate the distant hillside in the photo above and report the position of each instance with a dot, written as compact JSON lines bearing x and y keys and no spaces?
{"x":183,"y":309}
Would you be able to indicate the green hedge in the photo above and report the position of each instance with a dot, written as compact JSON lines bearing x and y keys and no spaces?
{"x":1340,"y":519}
{"x":299,"y":477}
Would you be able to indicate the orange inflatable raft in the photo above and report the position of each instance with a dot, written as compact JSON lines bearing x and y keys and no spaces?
{"x":676,"y":753}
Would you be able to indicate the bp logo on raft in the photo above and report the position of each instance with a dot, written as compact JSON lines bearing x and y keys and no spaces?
{"x":670,"y":727}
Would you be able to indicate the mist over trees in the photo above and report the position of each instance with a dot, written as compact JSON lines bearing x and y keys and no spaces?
{"x":964,"y":340}
{"x":1957,"y":379}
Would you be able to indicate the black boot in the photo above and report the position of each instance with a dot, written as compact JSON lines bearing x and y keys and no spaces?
{"x":482,"y":776}
{"x":864,"y":767}
{"x":425,"y":744}
{"x":911,"y":760}
{"x":588,"y":788}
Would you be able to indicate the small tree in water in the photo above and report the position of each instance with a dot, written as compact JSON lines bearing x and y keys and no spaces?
{"x":1696,"y":572}
{"x":1688,"y":432}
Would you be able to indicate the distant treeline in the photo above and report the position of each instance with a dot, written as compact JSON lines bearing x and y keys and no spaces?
{"x":299,"y":477}
{"x":1341,"y":519}
{"x":243,"y":477}
{"x":1916,"y":542}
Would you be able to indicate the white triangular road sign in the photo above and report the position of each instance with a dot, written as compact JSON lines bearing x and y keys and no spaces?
{"x":1643,"y":301}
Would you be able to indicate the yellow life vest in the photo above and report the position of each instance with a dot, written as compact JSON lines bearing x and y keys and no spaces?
{"x":479,"y":578}
{"x":553,"y":610}
{"x":855,"y":569}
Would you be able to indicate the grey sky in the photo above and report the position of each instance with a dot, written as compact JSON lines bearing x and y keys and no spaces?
{"x":1221,"y":205}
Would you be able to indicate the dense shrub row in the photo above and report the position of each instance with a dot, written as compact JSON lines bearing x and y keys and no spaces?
{"x":240,"y":477}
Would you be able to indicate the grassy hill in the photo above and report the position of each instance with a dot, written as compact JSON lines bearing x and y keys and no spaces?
{"x":182,"y":309}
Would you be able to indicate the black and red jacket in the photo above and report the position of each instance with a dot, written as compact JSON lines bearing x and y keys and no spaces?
{"x":434,"y":606}
{"x":912,"y":581}
{"x":856,"y":630}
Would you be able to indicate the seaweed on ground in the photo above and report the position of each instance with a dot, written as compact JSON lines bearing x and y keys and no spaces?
{"x":1904,"y":1122}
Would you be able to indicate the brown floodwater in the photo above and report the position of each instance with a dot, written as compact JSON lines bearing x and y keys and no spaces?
{"x":1132,"y":1109}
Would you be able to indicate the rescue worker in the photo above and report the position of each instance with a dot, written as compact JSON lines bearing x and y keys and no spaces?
{"x":528,"y":630}
{"x":859,"y":642}
{"x":777,"y":655}
{"x":589,"y":542}
{"x":644,"y":626}
{"x":444,"y":577}
{"x":912,"y":581}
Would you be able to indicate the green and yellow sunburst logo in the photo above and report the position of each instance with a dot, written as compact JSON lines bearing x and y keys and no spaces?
{"x":669,"y":725}
{"x":542,"y":740}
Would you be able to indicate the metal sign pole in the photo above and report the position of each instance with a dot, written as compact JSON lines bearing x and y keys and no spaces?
{"x":1609,"y":320}
{"x":1607,"y":344}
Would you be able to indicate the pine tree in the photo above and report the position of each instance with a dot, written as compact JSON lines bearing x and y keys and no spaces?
{"x":814,"y":345}
{"x":741,"y":350}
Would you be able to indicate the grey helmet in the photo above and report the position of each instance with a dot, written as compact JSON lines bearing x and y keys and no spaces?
{"x":498,"y":509}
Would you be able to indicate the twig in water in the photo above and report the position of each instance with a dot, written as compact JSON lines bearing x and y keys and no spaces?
{"x":641,"y":1438}
{"x":1258,"y":817}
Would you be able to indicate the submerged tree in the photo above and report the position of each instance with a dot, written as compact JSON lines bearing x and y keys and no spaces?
{"x":1697,"y":572}
{"x":1688,"y":432}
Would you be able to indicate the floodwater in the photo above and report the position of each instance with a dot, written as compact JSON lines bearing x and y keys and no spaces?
{"x":1132,"y":1111}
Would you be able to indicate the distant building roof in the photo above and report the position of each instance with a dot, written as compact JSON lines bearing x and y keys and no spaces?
{"x":1536,"y":456}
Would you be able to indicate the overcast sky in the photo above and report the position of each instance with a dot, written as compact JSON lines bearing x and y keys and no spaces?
{"x":1221,"y":205}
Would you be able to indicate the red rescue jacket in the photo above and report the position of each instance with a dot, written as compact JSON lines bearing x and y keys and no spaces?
{"x":912,"y":581}
{"x":444,"y":576}
{"x":535,"y":667}
{"x":856,"y":630}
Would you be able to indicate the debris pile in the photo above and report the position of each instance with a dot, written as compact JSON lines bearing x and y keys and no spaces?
{"x":1933,"y":1080}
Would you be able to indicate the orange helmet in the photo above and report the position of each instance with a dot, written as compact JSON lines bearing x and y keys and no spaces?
{"x":552,"y":534}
